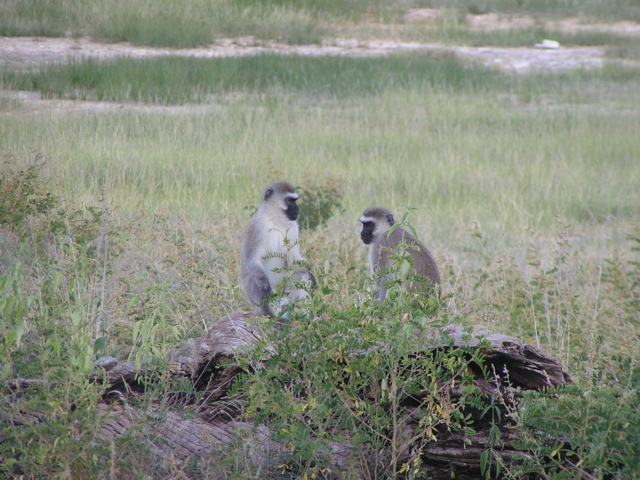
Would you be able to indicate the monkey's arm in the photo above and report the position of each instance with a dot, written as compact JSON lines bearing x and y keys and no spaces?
{"x":300,"y":267}
{"x":380,"y":271}
{"x":300,"y":282}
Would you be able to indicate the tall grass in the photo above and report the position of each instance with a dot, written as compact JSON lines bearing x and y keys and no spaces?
{"x":171,"y":80}
{"x":48,"y":19}
{"x":508,"y":153}
{"x":168,"y":275}
{"x":586,"y":9}
{"x":199,"y":22}
{"x":527,"y":190}
{"x":174,"y":24}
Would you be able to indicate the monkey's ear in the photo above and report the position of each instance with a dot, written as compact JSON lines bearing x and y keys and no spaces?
{"x":390,"y":219}
{"x":267,"y":193}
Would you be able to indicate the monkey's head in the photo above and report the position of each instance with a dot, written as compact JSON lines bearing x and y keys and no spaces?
{"x":283,"y":195}
{"x":375,"y":222}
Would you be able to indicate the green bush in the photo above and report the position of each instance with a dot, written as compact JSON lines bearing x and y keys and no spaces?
{"x":319,"y":201}
{"x":22,"y":191}
{"x":350,"y":375}
{"x":50,"y":318}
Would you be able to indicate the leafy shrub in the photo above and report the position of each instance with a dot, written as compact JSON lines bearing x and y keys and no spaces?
{"x":349,"y":375}
{"x":319,"y":201}
{"x":50,"y":317}
{"x":22,"y":192}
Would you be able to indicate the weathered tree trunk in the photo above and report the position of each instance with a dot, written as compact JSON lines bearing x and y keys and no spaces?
{"x":529,"y":368}
{"x":202,"y":362}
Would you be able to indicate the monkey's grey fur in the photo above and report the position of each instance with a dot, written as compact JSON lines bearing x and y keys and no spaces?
{"x":376,"y":222}
{"x":270,"y":250}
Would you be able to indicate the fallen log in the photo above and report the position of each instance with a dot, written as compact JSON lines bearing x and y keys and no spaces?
{"x":528,"y":367}
{"x":209,"y":427}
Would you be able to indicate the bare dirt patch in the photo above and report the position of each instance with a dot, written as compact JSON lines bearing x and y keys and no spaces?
{"x":24,"y":52}
{"x":29,"y":52}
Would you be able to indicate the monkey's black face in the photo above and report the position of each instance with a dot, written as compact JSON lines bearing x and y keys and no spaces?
{"x":367,"y":232}
{"x":292,"y":210}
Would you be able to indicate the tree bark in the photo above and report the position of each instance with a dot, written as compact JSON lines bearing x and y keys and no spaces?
{"x":184,"y":435}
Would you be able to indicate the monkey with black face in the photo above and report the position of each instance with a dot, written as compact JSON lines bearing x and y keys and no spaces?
{"x":376,"y":222}
{"x":270,"y":252}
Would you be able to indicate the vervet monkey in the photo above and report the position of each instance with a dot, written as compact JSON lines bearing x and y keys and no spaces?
{"x":376,"y":222}
{"x":270,"y":251}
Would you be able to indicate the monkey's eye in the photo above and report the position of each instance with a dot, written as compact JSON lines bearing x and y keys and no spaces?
{"x":291,"y":201}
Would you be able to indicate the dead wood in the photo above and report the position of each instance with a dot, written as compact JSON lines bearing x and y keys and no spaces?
{"x":201,"y":430}
{"x":213,"y":422}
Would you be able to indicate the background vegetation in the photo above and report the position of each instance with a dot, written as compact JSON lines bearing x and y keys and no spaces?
{"x":119,"y":221}
{"x":199,"y":22}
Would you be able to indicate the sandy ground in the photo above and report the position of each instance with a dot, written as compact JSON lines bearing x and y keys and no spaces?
{"x":23,"y":52}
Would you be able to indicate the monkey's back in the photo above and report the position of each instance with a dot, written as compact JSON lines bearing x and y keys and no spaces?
{"x":423,"y":262}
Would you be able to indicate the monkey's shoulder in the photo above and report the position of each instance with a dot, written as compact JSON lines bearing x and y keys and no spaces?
{"x":401,"y":236}
{"x":398,"y":236}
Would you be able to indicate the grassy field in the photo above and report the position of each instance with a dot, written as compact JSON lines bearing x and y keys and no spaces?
{"x":199,"y":22}
{"x":124,"y":217}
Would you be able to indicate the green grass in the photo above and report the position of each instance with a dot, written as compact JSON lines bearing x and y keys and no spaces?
{"x":493,"y":145}
{"x":166,"y":23}
{"x":47,"y":19}
{"x":527,"y":190}
{"x":174,"y":24}
{"x":547,"y":9}
{"x":175,"y":80}
{"x":528,"y":37}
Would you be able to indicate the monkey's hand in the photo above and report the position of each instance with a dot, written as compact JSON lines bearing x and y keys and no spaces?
{"x":299,"y":284}
{"x":304,"y":276}
{"x":301,"y":272}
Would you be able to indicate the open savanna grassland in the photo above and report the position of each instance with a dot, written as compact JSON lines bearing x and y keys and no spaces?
{"x":122,"y":195}
{"x":167,"y":23}
{"x":526,"y":190}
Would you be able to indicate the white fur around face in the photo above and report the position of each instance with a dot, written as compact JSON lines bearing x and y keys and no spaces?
{"x":380,"y":228}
